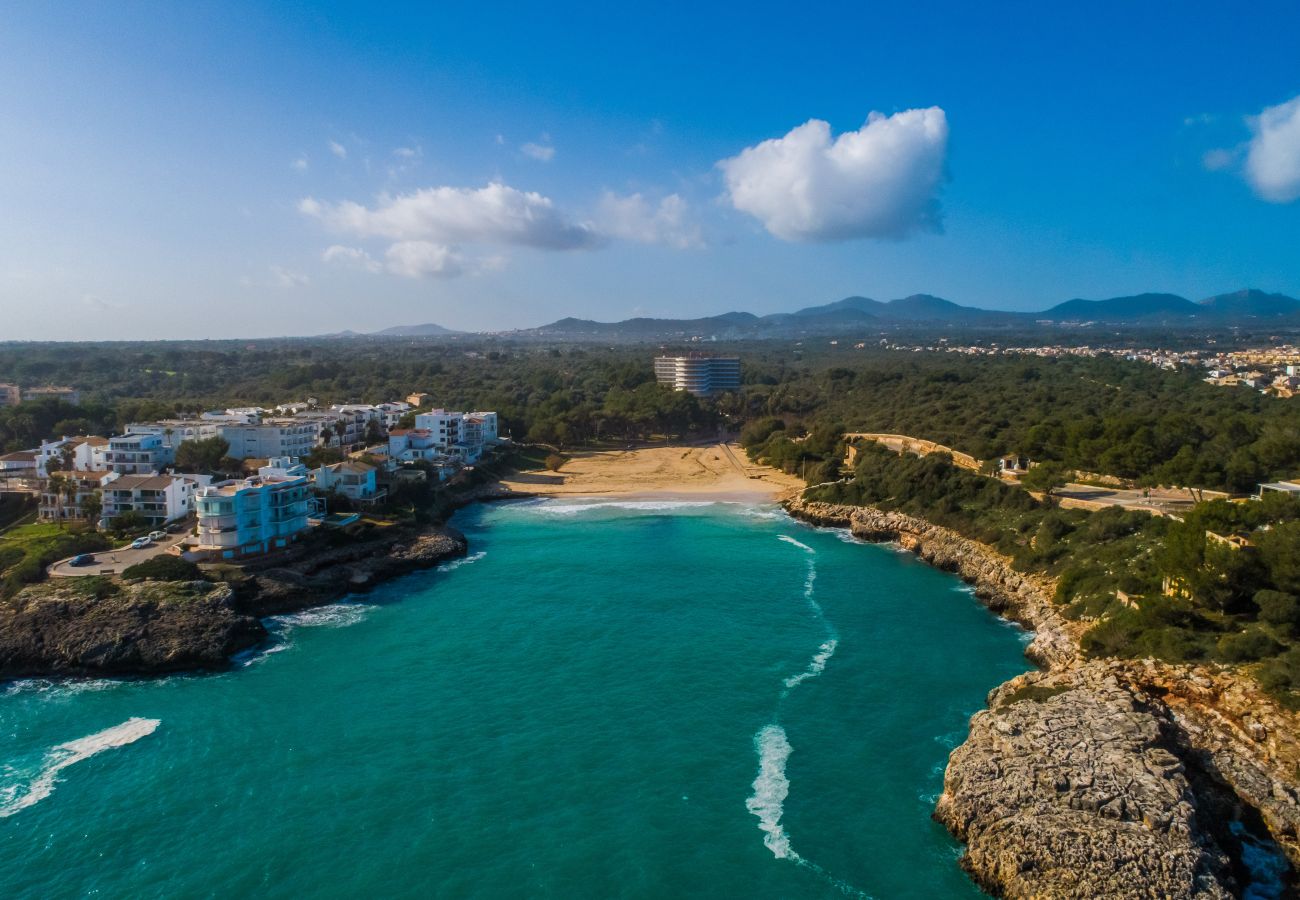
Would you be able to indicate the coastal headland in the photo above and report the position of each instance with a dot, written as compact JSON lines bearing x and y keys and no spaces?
{"x":1112,"y":778}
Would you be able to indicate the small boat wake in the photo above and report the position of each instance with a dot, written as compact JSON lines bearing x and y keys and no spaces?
{"x":59,"y":758}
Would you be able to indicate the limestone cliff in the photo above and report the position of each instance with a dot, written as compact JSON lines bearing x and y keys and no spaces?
{"x":1112,"y":778}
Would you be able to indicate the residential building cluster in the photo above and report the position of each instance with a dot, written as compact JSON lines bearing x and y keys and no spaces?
{"x":1270,"y":370}
{"x":12,"y":394}
{"x":83,"y":478}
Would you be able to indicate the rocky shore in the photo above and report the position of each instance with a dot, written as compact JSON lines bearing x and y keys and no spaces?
{"x":60,"y":627}
{"x":1104,"y":778}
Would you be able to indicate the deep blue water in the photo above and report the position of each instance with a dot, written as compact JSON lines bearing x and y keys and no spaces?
{"x":603,"y":700}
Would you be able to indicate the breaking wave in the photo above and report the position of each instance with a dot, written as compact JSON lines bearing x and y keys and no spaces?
{"x":573,"y":509}
{"x":64,"y":755}
{"x":335,"y":615}
{"x":455,"y":564}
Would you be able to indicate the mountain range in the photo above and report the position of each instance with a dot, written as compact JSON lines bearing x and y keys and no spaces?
{"x":1242,"y":308}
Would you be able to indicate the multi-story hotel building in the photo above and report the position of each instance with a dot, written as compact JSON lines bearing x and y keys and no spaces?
{"x":699,"y":373}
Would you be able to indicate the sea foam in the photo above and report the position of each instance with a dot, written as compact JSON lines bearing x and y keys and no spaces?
{"x":64,"y":755}
{"x":335,"y":615}
{"x":573,"y":509}
{"x":815,"y":666}
{"x":771,"y":787}
{"x":455,"y":564}
{"x":797,"y":543}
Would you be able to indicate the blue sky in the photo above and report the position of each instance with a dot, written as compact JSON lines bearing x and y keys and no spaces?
{"x":242,"y":169}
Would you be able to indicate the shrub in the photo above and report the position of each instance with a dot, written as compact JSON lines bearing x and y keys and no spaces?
{"x":1248,"y":646}
{"x":164,"y":567}
{"x":554,"y":461}
{"x":1279,"y":608}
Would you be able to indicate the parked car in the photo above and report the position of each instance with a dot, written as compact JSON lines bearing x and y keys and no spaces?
{"x":141,"y":542}
{"x":82,"y":559}
{"x":157,"y":535}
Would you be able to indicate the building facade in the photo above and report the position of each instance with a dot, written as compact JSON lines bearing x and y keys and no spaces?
{"x":139,"y":454}
{"x":158,"y":498}
{"x":250,"y":516}
{"x":271,"y":438}
{"x":698,"y":373}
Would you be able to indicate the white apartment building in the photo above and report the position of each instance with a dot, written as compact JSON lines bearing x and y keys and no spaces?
{"x":699,"y":373}
{"x":249,"y":516}
{"x":175,"y":432}
{"x":271,"y":438}
{"x":63,"y":498}
{"x":159,"y":498}
{"x":443,"y":425}
{"x":138,"y":454}
{"x":84,"y":454}
{"x":487,"y":425}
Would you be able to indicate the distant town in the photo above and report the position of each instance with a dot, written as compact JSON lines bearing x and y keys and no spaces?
{"x":1270,"y":370}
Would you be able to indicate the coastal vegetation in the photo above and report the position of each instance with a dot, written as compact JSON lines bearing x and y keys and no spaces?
{"x":1102,"y":415}
{"x":1222,"y":585}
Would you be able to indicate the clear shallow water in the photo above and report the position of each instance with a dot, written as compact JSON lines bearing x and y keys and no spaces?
{"x":623,"y":700}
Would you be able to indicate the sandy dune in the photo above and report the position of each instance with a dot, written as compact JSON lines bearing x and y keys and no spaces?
{"x":717,"y":471}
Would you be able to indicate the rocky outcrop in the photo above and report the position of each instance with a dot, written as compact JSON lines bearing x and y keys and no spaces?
{"x":77,"y":626}
{"x":1074,"y":787}
{"x":1009,"y":593}
{"x":1113,"y":778}
{"x":59,"y":628}
{"x":317,"y":576}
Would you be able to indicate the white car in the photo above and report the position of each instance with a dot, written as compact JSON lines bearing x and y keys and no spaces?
{"x":157,"y":535}
{"x":141,"y":542}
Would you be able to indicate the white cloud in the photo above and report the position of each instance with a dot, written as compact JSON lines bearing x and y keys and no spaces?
{"x":1273,"y":157}
{"x":539,"y":152}
{"x":299,"y":164}
{"x":633,"y":218}
{"x":1218,"y":160}
{"x":338,"y":149}
{"x":408,"y":152}
{"x":354,"y":257}
{"x":877,"y":182}
{"x":288,"y":279}
{"x":422,"y":259}
{"x":496,"y":214}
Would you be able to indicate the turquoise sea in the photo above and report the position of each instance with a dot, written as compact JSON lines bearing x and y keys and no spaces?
{"x":629,"y":699}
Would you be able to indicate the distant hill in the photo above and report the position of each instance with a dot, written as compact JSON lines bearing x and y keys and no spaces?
{"x":863,"y":314}
{"x":1139,"y":308}
{"x":426,"y":330}
{"x":1251,"y":303}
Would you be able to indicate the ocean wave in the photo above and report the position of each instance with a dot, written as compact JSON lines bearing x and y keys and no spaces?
{"x":771,"y":787}
{"x":56,"y":687}
{"x":815,"y":666}
{"x":549,"y":507}
{"x":335,"y":615}
{"x":64,"y":755}
{"x":455,"y":564}
{"x":797,"y":543}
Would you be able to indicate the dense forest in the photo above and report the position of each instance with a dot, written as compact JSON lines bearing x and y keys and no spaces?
{"x":1098,"y":415}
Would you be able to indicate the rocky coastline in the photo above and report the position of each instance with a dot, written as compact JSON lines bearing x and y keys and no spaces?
{"x":1114,"y":778}
{"x":61,"y":627}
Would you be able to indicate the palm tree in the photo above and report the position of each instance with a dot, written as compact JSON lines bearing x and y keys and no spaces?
{"x":340,"y":428}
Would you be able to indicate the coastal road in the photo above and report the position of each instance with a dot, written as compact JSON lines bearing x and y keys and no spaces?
{"x":113,"y":562}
